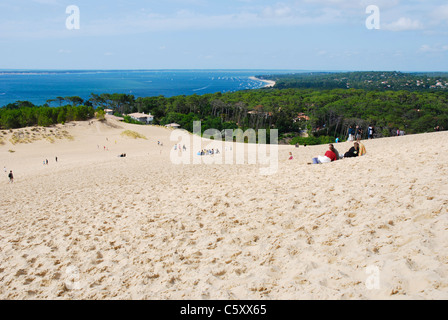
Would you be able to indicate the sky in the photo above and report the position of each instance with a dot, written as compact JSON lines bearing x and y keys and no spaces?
{"x":320,"y":35}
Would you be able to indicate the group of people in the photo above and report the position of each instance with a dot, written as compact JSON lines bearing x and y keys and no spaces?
{"x":208,"y":152}
{"x":357,"y":133}
{"x":45,"y":162}
{"x":178,"y":147}
{"x":332,"y":154}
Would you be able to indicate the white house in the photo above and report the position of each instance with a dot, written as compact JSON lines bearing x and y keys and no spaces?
{"x":109,"y":112}
{"x":141,"y":117}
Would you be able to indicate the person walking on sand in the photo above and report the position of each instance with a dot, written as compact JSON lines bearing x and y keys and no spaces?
{"x":11,"y":177}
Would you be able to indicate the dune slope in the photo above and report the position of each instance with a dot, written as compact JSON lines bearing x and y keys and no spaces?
{"x":96,"y":226}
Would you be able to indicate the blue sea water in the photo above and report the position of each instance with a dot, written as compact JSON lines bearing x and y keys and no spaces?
{"x":40,"y":86}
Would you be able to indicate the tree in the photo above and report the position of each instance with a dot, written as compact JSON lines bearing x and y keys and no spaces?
{"x":60,"y":100}
{"x":100,"y":114}
{"x":75,"y":100}
{"x":97,"y":100}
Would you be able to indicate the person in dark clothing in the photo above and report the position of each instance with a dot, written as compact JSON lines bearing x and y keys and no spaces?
{"x":358,"y":134}
{"x":353,"y":152}
{"x":11,"y":177}
{"x":351,"y":134}
{"x":371,"y":131}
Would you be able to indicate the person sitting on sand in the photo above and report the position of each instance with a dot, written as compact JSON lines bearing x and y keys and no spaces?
{"x":330,"y":156}
{"x":353,"y":152}
{"x":362,"y":150}
{"x":336,"y":152}
{"x":290,"y":156}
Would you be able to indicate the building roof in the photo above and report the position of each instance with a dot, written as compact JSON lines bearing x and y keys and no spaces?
{"x":302,"y":116}
{"x":173,"y":125}
{"x":139,"y":115}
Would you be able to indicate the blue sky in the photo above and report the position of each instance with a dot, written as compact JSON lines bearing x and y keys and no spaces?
{"x":231,"y":34}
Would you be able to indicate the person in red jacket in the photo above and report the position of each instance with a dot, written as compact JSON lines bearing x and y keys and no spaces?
{"x":331,"y":153}
{"x":330,"y":156}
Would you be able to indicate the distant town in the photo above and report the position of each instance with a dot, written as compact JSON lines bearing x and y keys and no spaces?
{"x":362,"y":80}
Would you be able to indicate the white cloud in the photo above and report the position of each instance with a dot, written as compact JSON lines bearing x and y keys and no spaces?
{"x":49,"y":2}
{"x":435,"y":48}
{"x":441,"y":13}
{"x":403,"y":24}
{"x":352,"y":4}
{"x":268,"y":16}
{"x":252,"y":14}
{"x":279,"y":11}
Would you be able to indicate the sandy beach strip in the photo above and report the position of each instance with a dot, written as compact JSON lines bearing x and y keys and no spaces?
{"x":268,"y":83}
{"x":97,"y":226}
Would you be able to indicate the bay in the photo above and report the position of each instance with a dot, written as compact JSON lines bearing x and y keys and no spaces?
{"x":38,"y":86}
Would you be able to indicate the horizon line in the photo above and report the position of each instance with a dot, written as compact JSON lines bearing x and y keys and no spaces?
{"x":223,"y":69}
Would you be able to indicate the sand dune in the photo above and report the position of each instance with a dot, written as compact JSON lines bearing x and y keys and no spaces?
{"x":96,"y":226}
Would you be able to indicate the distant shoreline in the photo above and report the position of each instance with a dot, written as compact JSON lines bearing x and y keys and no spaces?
{"x":38,"y":87}
{"x":268,"y":83}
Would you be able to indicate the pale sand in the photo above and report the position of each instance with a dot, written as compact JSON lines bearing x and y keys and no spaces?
{"x":268,"y":83}
{"x":95,"y":226}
